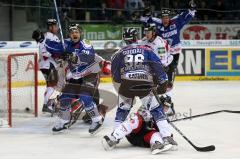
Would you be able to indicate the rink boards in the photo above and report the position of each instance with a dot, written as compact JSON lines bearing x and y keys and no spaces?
{"x":200,"y":59}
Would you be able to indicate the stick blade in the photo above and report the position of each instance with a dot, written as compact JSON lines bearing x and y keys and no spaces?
{"x":205,"y":149}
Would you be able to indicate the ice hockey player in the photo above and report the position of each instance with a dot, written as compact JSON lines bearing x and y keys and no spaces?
{"x":140,"y":130}
{"x":82,"y":81}
{"x":169,"y":29}
{"x":160,"y":47}
{"x":137,"y":68}
{"x":47,"y":58}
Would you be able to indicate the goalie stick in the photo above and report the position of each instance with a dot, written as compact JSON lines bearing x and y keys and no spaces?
{"x":205,"y":114}
{"x":200,"y":149}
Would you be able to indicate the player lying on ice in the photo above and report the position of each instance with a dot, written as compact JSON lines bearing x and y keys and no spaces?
{"x":140,"y":130}
{"x":82,"y":79}
{"x":137,"y":69}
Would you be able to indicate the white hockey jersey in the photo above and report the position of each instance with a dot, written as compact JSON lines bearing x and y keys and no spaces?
{"x":45,"y":58}
{"x":160,"y":47}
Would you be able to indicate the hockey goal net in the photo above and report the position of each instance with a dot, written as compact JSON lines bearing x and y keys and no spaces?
{"x":18,"y":84}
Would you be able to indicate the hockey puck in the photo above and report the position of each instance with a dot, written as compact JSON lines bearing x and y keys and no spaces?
{"x":27,"y":109}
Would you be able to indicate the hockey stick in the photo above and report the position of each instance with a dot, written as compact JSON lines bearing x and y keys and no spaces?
{"x":59,"y":23}
{"x":205,"y":114}
{"x":200,"y":149}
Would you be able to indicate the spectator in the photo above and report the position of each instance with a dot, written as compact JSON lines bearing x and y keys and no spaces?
{"x":219,"y":7}
{"x":134,"y":4}
{"x":119,"y":18}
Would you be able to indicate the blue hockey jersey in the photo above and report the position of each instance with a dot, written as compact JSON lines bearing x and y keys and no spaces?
{"x":171,"y":33}
{"x":137,"y":63}
{"x":86,"y":58}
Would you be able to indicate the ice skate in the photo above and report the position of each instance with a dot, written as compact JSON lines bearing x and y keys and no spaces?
{"x":169,"y":140}
{"x":158,"y":147}
{"x":109,"y":142}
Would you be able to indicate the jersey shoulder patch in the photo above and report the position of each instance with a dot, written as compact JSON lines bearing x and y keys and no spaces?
{"x":86,"y":44}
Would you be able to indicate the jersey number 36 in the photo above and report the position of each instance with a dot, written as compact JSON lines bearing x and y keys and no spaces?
{"x":134,"y":60}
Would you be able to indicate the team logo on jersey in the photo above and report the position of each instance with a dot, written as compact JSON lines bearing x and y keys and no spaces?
{"x":173,"y":26}
{"x":162,"y":29}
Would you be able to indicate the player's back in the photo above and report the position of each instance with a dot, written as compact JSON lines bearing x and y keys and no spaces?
{"x":133,"y":63}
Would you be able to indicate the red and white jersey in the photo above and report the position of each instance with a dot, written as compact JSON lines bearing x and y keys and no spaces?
{"x":160,"y":47}
{"x":45,"y":58}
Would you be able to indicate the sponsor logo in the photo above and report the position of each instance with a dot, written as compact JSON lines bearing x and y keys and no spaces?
{"x":26,"y":44}
{"x":196,"y":33}
{"x":3,"y":44}
{"x":191,"y":62}
{"x":223,"y":62}
{"x":169,"y":34}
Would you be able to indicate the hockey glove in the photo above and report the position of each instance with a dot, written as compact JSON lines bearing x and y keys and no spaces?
{"x":73,"y":58}
{"x":106,"y":67}
{"x":162,"y":86}
{"x":166,"y":100}
{"x":38,"y":36}
{"x":192,"y":5}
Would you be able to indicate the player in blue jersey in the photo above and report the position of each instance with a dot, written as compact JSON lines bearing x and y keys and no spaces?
{"x":82,"y":81}
{"x":169,"y":29}
{"x":137,"y":69}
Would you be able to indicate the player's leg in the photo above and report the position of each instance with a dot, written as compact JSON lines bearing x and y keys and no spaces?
{"x":133,"y":124}
{"x":51,"y":78}
{"x":159,"y":116}
{"x":87,"y":91}
{"x":124,"y":107}
{"x":154,"y":139}
{"x":64,"y":115}
{"x":171,"y":72}
{"x":91,"y":108}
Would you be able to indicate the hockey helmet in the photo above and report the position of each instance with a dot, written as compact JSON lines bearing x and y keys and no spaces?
{"x":51,"y":21}
{"x":74,"y":26}
{"x":150,"y":27}
{"x":130,"y":35}
{"x":165,"y":12}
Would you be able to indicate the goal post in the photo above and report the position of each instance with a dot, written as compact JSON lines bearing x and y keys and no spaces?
{"x":19,"y":86}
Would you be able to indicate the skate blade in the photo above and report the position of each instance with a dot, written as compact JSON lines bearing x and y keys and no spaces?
{"x":60,"y":132}
{"x":174,"y":148}
{"x":105,"y":145}
{"x":165,"y":148}
{"x":97,"y":131}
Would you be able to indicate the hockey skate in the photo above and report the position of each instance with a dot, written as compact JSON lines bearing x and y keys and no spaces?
{"x":109,"y":142}
{"x":60,"y":125}
{"x":169,"y":140}
{"x":46,"y":109}
{"x":95,"y":127}
{"x":158,"y":147}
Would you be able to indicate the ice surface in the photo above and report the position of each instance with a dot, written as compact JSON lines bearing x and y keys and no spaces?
{"x":31,"y":138}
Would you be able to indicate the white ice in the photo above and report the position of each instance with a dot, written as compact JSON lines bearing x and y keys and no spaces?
{"x":31,"y":138}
